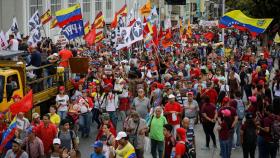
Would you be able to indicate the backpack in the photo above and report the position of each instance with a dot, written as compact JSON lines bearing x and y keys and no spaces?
{"x":275,"y":130}
{"x":71,"y":135}
{"x":250,"y":136}
{"x":190,"y":150}
{"x":240,"y":109}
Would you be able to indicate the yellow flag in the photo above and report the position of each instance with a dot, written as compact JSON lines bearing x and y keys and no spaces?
{"x":277,"y":38}
{"x":189,"y":29}
{"x":146,"y":9}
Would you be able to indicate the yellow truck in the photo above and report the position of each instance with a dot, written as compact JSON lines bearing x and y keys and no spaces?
{"x":14,"y":80}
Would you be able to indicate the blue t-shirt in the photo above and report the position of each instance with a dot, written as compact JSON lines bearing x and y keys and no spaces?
{"x":94,"y":155}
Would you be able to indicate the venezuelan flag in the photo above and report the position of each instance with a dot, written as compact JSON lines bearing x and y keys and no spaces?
{"x":237,"y":18}
{"x":65,"y":16}
{"x":9,"y":134}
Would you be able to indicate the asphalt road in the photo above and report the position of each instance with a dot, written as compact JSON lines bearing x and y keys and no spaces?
{"x":200,"y":142}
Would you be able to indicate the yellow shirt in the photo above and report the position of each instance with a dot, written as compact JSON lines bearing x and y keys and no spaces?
{"x":126,"y":152}
{"x":55,"y":119}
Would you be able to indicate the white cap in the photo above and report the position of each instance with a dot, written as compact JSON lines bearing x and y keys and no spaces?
{"x":261,"y":54}
{"x":171,"y":96}
{"x":180,"y":74}
{"x":56,"y":141}
{"x":55,"y":54}
{"x":121,"y":135}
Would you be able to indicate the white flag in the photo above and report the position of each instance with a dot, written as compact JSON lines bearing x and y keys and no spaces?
{"x":13,"y":29}
{"x":34,"y":29}
{"x":3,"y":41}
{"x":130,"y":35}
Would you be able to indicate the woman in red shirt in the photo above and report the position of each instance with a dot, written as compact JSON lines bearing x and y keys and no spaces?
{"x":209,"y":116}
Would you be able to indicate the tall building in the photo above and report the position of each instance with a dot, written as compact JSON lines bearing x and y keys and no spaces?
{"x":24,"y":9}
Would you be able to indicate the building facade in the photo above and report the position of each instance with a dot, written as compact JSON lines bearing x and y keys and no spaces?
{"x":24,"y":9}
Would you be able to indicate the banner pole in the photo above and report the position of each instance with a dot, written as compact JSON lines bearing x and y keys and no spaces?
{"x":44,"y":31}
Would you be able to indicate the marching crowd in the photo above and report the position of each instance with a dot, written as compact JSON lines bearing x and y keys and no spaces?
{"x":141,"y":99}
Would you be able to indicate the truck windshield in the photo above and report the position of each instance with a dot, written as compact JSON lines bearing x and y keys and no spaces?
{"x":2,"y":78}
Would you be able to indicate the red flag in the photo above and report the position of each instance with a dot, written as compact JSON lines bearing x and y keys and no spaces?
{"x":222,"y":26}
{"x":24,"y":105}
{"x":115,"y":21}
{"x":144,"y":20}
{"x":209,"y":36}
{"x":123,"y":11}
{"x":131,"y":22}
{"x":166,"y":43}
{"x":90,"y":38}
{"x":155,"y":37}
{"x":160,"y":34}
{"x":168,"y":34}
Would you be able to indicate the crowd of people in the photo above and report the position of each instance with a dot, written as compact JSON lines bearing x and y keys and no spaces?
{"x":148,"y":99}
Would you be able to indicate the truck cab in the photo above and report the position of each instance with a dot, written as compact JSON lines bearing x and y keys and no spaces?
{"x":10,"y":84}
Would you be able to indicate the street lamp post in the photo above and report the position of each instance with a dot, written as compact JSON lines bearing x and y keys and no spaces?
{"x":223,"y":30}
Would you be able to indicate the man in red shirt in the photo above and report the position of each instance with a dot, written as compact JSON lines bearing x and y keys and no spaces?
{"x":173,"y":112}
{"x":180,"y":147}
{"x":46,"y":132}
{"x":211,"y":92}
{"x":65,"y":54}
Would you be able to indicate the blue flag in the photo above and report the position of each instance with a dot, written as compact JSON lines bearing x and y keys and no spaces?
{"x":73,"y":29}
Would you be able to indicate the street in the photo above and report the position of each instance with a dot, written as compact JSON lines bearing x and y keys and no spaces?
{"x":200,"y":142}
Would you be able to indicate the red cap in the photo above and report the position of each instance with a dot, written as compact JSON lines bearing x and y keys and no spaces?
{"x":61,"y":88}
{"x":181,"y":132}
{"x":261,"y":82}
{"x":264,"y":66}
{"x":216,"y":81}
{"x":226,"y":100}
{"x":226,"y":112}
{"x":16,"y":96}
{"x":190,"y":93}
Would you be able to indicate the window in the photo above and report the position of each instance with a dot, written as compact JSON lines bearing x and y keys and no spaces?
{"x":72,"y":2}
{"x":11,"y":85}
{"x":86,"y":10}
{"x":36,"y":5}
{"x":98,"y":5}
{"x":55,"y":6}
{"x":108,"y":8}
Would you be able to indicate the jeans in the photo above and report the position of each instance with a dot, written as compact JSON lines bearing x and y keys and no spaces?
{"x":225,"y":148}
{"x":237,"y":129}
{"x":139,"y":153}
{"x":113,"y":117}
{"x":272,"y":149}
{"x":249,"y":149}
{"x":248,"y":90}
{"x":231,"y":133}
{"x":208,"y":128}
{"x":157,"y":146}
{"x":62,"y":114}
{"x":85,"y":122}
{"x":95,"y":116}
{"x":263,"y":148}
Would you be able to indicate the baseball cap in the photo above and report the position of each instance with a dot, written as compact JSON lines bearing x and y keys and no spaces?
{"x":121,"y":135}
{"x":35,"y":115}
{"x":261,"y":54}
{"x":226,"y":112}
{"x":226,"y":99}
{"x":61,"y":88}
{"x":190,"y":93}
{"x":56,"y":141}
{"x":253,"y":99}
{"x":30,"y":130}
{"x":16,"y":96}
{"x":97,"y":144}
{"x":171,"y":96}
{"x":17,"y":141}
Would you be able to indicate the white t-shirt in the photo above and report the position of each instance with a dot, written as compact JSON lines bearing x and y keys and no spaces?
{"x":62,"y":101}
{"x":14,"y":44}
